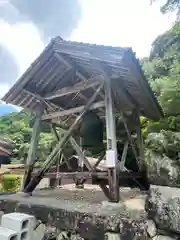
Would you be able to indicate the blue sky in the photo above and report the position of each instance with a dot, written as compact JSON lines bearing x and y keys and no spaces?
{"x":130,"y":23}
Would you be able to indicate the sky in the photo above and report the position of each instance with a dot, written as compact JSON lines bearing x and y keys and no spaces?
{"x":24,"y":31}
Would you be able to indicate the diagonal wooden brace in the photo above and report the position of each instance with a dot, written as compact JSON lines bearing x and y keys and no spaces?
{"x":32,"y":148}
{"x":123,"y":158}
{"x":80,"y":154}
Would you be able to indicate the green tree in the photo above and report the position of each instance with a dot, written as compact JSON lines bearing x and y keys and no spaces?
{"x":170,"y":6}
{"x":17,"y":127}
{"x":162,"y":69}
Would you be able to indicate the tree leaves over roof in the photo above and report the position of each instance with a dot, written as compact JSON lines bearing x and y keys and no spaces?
{"x":170,"y":6}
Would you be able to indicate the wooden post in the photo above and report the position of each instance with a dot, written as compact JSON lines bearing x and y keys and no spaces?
{"x":139,"y":141}
{"x":111,"y":154}
{"x":79,"y":182}
{"x":32,"y":149}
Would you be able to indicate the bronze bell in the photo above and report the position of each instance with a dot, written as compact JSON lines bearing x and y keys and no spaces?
{"x":91,"y":130}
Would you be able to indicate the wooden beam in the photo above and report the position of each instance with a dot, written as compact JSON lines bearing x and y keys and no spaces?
{"x":70,"y":63}
{"x":113,"y":173}
{"x":73,"y":72}
{"x":80,"y":154}
{"x":99,"y":160}
{"x":123,"y":158}
{"x":40,"y":99}
{"x":117,"y":85}
{"x":71,"y":111}
{"x":120,"y":89}
{"x":59,"y":147}
{"x":32,"y":148}
{"x":71,"y":175}
{"x":55,"y":75}
{"x":69,"y":90}
{"x":49,"y":104}
{"x":62,"y":154}
{"x":113,"y":170}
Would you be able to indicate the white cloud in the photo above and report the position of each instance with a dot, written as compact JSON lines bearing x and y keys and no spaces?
{"x":109,"y":22}
{"x":23,"y":41}
{"x":125,"y":23}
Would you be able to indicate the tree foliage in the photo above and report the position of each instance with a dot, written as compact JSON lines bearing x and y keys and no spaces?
{"x":16,"y":126}
{"x":171,"y":6}
{"x":163,"y":69}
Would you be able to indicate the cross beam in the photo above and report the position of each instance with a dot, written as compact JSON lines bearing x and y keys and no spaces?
{"x":70,"y":90}
{"x":71,"y":111}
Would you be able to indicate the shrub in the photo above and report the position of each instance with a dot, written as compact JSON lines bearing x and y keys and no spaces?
{"x":11,"y":183}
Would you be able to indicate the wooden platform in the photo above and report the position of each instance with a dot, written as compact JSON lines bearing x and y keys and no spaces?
{"x":72,"y":209}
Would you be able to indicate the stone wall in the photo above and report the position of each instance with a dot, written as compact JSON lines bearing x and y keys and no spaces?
{"x":162,"y":223}
{"x":163,"y":208}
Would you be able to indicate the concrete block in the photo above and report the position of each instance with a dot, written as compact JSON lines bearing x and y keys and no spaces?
{"x":8,"y":234}
{"x":1,"y":214}
{"x":19,"y":222}
{"x":24,"y":236}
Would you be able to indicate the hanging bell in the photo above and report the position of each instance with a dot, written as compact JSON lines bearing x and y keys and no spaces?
{"x":92,"y":131}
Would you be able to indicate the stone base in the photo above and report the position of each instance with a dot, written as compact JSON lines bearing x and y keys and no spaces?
{"x":85,"y":212}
